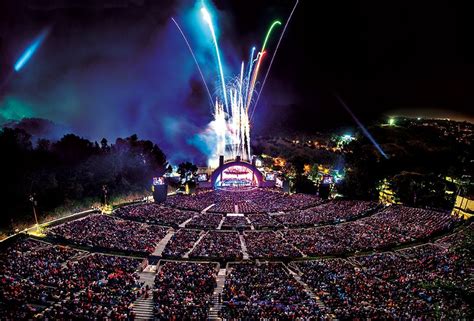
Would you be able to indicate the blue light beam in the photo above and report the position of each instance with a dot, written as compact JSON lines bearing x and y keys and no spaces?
{"x":364,"y":130}
{"x":32,"y":48}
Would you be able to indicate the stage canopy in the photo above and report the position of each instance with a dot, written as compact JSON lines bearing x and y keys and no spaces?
{"x":236,"y":174}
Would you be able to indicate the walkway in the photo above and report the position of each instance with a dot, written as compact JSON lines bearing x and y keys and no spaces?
{"x":143,"y":306}
{"x":214,"y":311}
{"x":220,"y":224}
{"x":308,"y":290}
{"x":160,"y":247}
{"x":194,"y":245}
{"x":207,"y":208}
{"x":244,"y":247}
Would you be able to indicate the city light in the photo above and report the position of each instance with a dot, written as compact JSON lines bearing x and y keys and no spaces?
{"x":391,"y":121}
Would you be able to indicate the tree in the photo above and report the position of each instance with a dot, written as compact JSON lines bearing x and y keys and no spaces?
{"x":187,"y":171}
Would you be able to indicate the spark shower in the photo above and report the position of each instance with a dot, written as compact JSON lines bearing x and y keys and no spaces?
{"x":237,"y":98}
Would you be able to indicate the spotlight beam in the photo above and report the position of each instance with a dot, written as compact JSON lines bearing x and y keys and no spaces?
{"x":30,"y":51}
{"x":362,"y":127}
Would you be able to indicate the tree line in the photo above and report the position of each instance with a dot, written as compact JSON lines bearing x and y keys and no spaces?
{"x":72,"y":170}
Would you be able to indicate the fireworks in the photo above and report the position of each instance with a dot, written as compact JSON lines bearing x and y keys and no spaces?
{"x":231,"y":124}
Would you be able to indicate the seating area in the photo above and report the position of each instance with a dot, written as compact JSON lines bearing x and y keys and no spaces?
{"x":183,"y":290}
{"x":363,"y":262}
{"x":393,"y":226}
{"x":151,"y":213}
{"x":107,"y":232}
{"x":44,"y":281}
{"x":330,"y":212}
{"x":265,"y":292}
{"x":207,"y":221}
{"x":181,"y":242}
{"x":248,"y":201}
{"x":263,"y":221}
{"x":235,"y":223}
{"x":420,"y":282}
{"x":219,"y":245}
{"x":269,"y":245}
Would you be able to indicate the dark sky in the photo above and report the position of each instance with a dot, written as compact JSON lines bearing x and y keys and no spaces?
{"x":117,"y":67}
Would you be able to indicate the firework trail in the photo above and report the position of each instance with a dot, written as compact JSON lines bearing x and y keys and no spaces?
{"x":250,"y":72}
{"x":273,"y":57}
{"x":269,"y":32}
{"x":254,"y":79}
{"x":208,"y":20}
{"x":231,"y":123}
{"x":195,"y":60}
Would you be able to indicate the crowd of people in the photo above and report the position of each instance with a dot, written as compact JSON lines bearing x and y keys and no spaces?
{"x":393,"y":226}
{"x":181,"y":243}
{"x":330,"y":212}
{"x":107,"y":232}
{"x":265,"y":292}
{"x":44,"y":281}
{"x":426,"y":281}
{"x":232,"y":222}
{"x":219,"y":245}
{"x":263,"y":221}
{"x":183,"y":290}
{"x":205,"y":221}
{"x":152,"y":213}
{"x":39,"y":280}
{"x":269,"y":244}
{"x":248,"y":201}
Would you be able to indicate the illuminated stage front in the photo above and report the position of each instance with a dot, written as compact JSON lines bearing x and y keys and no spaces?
{"x":236,"y":174}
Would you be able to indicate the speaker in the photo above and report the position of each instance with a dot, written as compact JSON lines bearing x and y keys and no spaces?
{"x":324,"y":190}
{"x":160,"y":192}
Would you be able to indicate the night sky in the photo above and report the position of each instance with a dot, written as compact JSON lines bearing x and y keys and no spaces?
{"x":117,"y":67}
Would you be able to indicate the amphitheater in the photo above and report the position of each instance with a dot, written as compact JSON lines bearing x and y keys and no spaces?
{"x":247,"y":255}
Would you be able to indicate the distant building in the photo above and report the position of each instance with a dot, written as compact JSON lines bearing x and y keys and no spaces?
{"x":464,"y":207}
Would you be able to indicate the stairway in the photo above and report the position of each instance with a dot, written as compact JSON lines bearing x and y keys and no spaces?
{"x":243,"y":247}
{"x":308,"y":290}
{"x":216,"y":306}
{"x":143,"y":307}
{"x":160,"y":247}
{"x":186,"y":255}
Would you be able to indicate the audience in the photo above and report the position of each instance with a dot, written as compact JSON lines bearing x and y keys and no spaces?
{"x":154,"y":214}
{"x":39,"y":280}
{"x":332,"y":212}
{"x":219,"y":245}
{"x":393,"y":226}
{"x":183,"y":290}
{"x":106,"y":232}
{"x":269,"y":245}
{"x":265,"y":292}
{"x":181,"y":242}
{"x":44,"y":282}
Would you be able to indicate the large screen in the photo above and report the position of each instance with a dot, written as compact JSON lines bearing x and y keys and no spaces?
{"x":278,"y":182}
{"x":328,"y":179}
{"x":270,"y":176}
{"x":203,"y":177}
{"x":158,"y":181}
